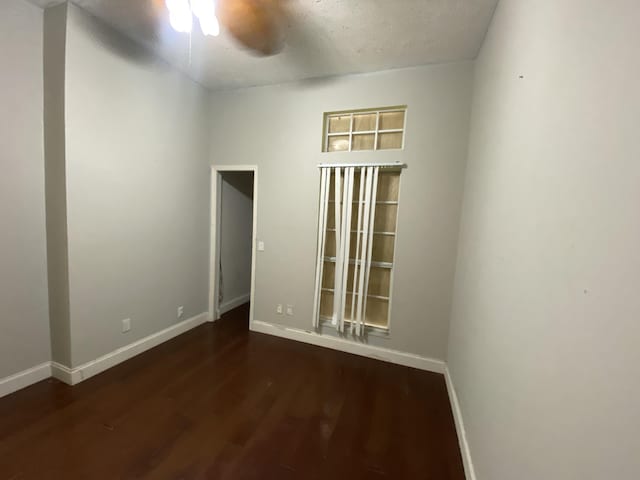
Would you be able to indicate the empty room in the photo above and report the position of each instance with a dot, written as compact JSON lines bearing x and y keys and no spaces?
{"x":319,"y":239}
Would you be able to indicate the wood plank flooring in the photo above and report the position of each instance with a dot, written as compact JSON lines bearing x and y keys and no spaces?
{"x":220,"y":402}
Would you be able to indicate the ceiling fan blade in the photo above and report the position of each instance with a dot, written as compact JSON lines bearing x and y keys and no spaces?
{"x":256,"y":24}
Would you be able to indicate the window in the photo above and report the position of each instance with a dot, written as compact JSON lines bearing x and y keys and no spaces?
{"x":356,"y":246}
{"x":374,"y":129}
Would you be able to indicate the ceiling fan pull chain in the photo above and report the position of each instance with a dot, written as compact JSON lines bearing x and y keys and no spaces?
{"x":190,"y":35}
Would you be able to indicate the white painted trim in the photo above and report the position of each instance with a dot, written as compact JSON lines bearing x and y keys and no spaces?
{"x":62,"y":373}
{"x":234,"y":168}
{"x":354,"y":347}
{"x":365,"y":164}
{"x":87,"y":370}
{"x":215,"y":309}
{"x":469,"y":470}
{"x":23,"y":379}
{"x":234,"y":302}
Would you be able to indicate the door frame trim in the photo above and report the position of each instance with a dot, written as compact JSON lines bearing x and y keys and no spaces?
{"x":214,"y":239}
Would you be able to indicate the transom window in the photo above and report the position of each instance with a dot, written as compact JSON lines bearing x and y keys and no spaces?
{"x":372,"y":129}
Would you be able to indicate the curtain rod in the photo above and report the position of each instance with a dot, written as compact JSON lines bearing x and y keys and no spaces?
{"x":371,"y":164}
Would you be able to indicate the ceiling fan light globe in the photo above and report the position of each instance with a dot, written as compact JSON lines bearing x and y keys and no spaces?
{"x":181,"y":23}
{"x":203,"y":8}
{"x":210,"y":26}
{"x":172,"y":5}
{"x":180,"y":16}
{"x":177,"y":6}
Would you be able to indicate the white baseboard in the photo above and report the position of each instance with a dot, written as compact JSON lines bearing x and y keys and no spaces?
{"x":379,"y":353}
{"x":23,"y":379}
{"x":87,"y":370}
{"x":234,"y":302}
{"x":469,"y":470}
{"x":62,"y":373}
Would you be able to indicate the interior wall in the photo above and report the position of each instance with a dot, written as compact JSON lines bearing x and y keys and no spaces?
{"x":544,"y":337}
{"x":284,"y":123}
{"x":236,"y":229}
{"x":137,"y":177}
{"x":54,"y":33}
{"x":24,"y":320}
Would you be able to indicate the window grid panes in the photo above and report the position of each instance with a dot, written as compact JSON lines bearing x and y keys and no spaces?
{"x":375,"y":129}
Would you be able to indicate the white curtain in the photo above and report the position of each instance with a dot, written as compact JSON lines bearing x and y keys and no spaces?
{"x":358,"y":255}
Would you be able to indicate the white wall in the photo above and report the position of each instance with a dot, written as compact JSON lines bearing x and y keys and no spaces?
{"x":279,"y":128}
{"x":24,"y":319}
{"x":544,"y":338}
{"x":236,"y":228}
{"x":138,"y":190}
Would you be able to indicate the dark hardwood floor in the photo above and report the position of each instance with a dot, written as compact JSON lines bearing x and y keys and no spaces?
{"x":221,"y":403}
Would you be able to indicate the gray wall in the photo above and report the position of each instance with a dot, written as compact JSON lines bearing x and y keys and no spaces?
{"x":24,"y":319}
{"x":55,"y":27}
{"x":236,"y":228}
{"x":544,"y":338}
{"x":284,"y":124}
{"x":137,"y":190}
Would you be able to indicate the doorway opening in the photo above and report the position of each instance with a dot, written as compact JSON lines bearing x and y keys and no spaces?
{"x":233,"y":240}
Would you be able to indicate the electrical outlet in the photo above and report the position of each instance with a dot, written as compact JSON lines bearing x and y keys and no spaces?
{"x":290,"y":310}
{"x":126,"y":325}
{"x":180,"y":311}
{"x":279,"y":309}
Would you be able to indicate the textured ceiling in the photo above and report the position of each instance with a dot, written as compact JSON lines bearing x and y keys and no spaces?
{"x":323,"y":38}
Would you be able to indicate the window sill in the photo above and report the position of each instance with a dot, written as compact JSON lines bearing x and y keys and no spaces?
{"x":370,"y":330}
